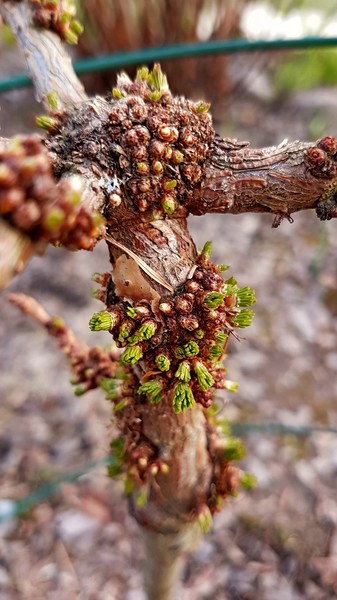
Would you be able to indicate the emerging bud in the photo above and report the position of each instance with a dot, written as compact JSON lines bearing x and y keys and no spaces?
{"x":213,"y":300}
{"x":152,"y":389}
{"x":183,"y":397}
{"x":205,"y":379}
{"x":231,"y":386}
{"x":168,"y":204}
{"x":191,"y":349}
{"x":201,"y":107}
{"x":70,"y":37}
{"x":131,"y":355}
{"x":183,"y":372}
{"x":102,"y":321}
{"x":246,"y":296}
{"x":221,"y":337}
{"x":52,"y":99}
{"x":243,"y":318}
{"x":157,"y":167}
{"x":147,"y":330}
{"x":110,"y":387}
{"x":124,"y":331}
{"x":117,"y":93}
{"x":204,"y":519}
{"x":46,"y":123}
{"x":207,"y":249}
{"x":162,"y":362}
{"x":177,"y":157}
{"x":157,"y":79}
{"x":248,"y":481}
{"x":170,"y":184}
{"x":234,"y":449}
{"x":215,"y":352}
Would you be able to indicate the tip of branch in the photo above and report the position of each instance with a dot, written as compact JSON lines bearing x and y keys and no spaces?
{"x":30,"y":307}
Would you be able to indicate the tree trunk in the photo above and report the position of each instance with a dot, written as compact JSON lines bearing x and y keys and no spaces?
{"x":146,"y":160}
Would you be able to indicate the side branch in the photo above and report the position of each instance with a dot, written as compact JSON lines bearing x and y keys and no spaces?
{"x":280,"y":180}
{"x":48,"y":62}
{"x":89,"y":365}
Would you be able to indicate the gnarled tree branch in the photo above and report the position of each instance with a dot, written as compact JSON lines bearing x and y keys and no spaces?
{"x":149,"y":159}
{"x":280,"y":180}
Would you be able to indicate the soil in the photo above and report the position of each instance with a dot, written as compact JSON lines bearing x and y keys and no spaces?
{"x":278,"y":542}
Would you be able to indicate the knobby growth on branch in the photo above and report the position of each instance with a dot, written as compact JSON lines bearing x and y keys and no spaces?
{"x":130,"y":167}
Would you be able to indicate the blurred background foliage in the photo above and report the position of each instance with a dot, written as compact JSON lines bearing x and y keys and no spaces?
{"x":117,"y":25}
{"x":124,"y":25}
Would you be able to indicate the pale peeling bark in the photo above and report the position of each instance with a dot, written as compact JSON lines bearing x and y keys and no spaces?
{"x":48,"y":63}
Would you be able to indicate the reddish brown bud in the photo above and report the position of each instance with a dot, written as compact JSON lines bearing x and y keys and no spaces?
{"x":10,"y":199}
{"x":316,"y":157}
{"x":131,"y":138}
{"x":142,"y":204}
{"x":7,"y":176}
{"x":187,"y":138}
{"x":144,"y":185}
{"x":183,"y":304}
{"x":117,"y":114}
{"x":139,"y":152}
{"x":329,"y":144}
{"x":156,"y":149}
{"x":27,"y":215}
{"x":167,"y":133}
{"x":189,"y":322}
{"x":133,"y":186}
{"x":143,"y":134}
{"x":192,"y":286}
{"x":114,"y":200}
{"x":192,"y":173}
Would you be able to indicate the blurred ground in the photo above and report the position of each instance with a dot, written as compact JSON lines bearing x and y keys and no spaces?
{"x":276,"y":543}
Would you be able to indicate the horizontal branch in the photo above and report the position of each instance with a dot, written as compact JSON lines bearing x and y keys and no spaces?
{"x":280,"y":180}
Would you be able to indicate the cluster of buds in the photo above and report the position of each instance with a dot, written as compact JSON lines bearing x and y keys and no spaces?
{"x":58,"y":16}
{"x":183,"y":345}
{"x":225,"y":449}
{"x":154,"y":144}
{"x":137,"y":462}
{"x":134,"y":328}
{"x":165,"y":141}
{"x":32,"y":201}
{"x":321,"y":158}
{"x":199,"y":320}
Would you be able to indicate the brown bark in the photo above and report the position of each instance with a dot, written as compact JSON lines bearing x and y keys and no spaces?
{"x":280,"y":180}
{"x":182,"y":462}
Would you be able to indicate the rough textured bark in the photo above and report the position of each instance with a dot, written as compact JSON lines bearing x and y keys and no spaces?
{"x":148,"y":160}
{"x":281,"y":180}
